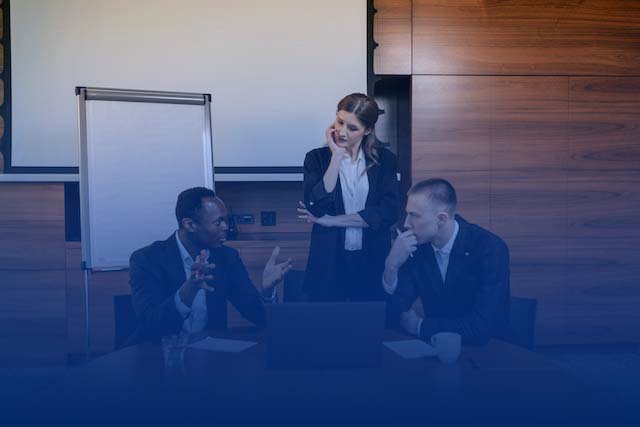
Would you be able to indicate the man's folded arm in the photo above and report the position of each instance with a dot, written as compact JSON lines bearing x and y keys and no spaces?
{"x":404,"y":295}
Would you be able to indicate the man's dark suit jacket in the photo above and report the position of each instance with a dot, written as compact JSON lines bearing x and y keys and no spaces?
{"x":380,"y":213}
{"x":474,"y":298}
{"x":155,"y":274}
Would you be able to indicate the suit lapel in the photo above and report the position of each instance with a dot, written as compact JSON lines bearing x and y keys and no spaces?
{"x":372,"y":175}
{"x":459,"y":251}
{"x":428,"y":268}
{"x":173,"y":262}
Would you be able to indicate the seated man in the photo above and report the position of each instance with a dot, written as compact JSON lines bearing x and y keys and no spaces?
{"x":183,"y":283}
{"x":459,"y":270}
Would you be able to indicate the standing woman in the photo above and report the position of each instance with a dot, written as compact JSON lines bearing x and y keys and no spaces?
{"x":351,"y":196}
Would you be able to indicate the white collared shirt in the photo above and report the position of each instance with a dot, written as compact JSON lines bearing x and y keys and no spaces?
{"x":442,"y":255}
{"x":354,"y":183}
{"x":196,"y":316}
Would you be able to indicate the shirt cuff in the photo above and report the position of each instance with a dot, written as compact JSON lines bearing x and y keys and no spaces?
{"x":270,"y":299}
{"x":181,"y":307}
{"x":389,"y":288}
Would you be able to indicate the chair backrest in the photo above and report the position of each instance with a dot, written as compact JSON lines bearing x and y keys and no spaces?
{"x":125,"y":319}
{"x":293,"y":282}
{"x":522,"y":322}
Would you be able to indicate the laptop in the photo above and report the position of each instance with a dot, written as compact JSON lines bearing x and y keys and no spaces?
{"x":324,"y":335}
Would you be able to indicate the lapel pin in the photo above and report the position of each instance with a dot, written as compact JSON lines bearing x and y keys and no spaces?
{"x":466,"y":254}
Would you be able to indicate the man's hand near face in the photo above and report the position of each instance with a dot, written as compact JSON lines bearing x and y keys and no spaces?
{"x":201,"y":278}
{"x":403,"y":247}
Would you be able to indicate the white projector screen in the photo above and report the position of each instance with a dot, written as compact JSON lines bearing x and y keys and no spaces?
{"x":276,"y":69}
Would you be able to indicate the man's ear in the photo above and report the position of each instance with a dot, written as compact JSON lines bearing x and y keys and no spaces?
{"x":443,"y":217}
{"x":188,"y":224}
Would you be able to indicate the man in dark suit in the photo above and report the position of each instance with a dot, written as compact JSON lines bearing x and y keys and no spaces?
{"x":459,"y":270}
{"x":182,"y":284}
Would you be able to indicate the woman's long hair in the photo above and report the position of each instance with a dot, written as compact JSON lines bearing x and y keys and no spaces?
{"x":366,"y":110}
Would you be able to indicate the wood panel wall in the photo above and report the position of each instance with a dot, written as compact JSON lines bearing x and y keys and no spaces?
{"x":502,"y":142}
{"x":526,"y":37}
{"x":604,"y":208}
{"x":32,"y":274}
{"x":531,"y":109}
{"x":392,"y":32}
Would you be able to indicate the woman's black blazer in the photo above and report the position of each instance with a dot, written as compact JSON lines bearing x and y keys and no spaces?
{"x":380,"y":213}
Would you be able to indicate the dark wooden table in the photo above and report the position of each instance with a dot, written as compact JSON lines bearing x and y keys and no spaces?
{"x":498,"y":383}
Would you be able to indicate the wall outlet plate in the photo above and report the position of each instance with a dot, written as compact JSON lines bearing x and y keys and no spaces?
{"x":244,"y":219}
{"x":267,"y":218}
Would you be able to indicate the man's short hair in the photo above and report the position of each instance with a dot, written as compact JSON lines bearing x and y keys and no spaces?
{"x":439,"y":190}
{"x":189,"y":203}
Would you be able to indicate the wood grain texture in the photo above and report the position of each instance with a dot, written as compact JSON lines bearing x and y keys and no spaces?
{"x":605,"y":128}
{"x":392,"y":32}
{"x":32,"y":274}
{"x":451,"y":137}
{"x":102,"y":287}
{"x":560,"y":156}
{"x":254,"y":197}
{"x":31,"y":226}
{"x":526,"y":37}
{"x":604,"y":210}
{"x":529,"y":155}
{"x":604,"y":204}
{"x":529,"y":124}
{"x":526,"y":204}
{"x":603,"y":290}
{"x":539,"y":270}
{"x":32,"y":317}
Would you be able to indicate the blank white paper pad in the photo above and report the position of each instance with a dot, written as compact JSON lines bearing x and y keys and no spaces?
{"x":220,"y":344}
{"x":411,"y":349}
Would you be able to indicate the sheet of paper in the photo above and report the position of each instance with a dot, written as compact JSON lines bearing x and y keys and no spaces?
{"x":411,"y":349}
{"x":221,"y":344}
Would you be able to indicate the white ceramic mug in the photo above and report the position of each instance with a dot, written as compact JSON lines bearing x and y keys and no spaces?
{"x":447,"y":345}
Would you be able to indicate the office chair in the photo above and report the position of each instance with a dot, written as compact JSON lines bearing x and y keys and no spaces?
{"x":293,"y":282}
{"x":125,"y":320}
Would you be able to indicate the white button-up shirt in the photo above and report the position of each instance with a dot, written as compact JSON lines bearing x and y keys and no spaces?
{"x":443,"y":254}
{"x":196,"y":316}
{"x":354,"y":183}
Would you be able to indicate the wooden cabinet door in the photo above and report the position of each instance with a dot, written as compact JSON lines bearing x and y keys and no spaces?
{"x":392,"y":32}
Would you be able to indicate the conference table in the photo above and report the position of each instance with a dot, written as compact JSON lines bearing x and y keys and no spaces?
{"x":497,"y":383}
